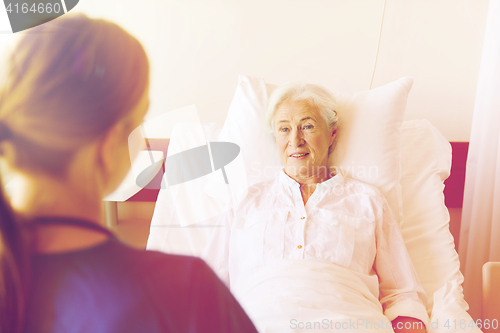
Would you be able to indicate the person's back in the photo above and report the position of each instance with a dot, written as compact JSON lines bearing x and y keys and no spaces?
{"x":114,"y":288}
{"x":75,"y":88}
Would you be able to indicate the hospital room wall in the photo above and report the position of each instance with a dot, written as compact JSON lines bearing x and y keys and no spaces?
{"x":197,"y":49}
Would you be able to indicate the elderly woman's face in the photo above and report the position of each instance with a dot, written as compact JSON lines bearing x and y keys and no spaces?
{"x":303,"y":139}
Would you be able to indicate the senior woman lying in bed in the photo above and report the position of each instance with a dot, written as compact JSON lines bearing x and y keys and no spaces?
{"x":312,"y":249}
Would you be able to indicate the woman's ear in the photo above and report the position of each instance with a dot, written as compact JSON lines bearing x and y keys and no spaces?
{"x":7,"y":151}
{"x":332,"y":141}
{"x":110,"y":150}
{"x":333,"y":136}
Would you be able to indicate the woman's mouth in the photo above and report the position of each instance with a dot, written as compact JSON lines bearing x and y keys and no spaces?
{"x":298,"y":155}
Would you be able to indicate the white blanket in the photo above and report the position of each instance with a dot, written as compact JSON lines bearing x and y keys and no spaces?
{"x":311,"y":296}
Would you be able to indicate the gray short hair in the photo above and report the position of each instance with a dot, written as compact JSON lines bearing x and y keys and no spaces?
{"x":312,"y":94}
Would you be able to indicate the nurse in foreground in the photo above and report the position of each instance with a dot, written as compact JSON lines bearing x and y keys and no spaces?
{"x":74,"y":89}
{"x":311,"y":249}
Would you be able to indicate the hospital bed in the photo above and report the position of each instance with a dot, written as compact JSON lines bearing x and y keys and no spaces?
{"x":411,"y":160}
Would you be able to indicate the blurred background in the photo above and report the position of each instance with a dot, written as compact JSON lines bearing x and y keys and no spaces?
{"x":197,"y":48}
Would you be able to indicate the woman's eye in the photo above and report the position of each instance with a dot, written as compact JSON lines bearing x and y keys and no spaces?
{"x":308,"y":127}
{"x":284,"y":130}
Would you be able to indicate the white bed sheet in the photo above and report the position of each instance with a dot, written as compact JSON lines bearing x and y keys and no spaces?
{"x":311,"y":296}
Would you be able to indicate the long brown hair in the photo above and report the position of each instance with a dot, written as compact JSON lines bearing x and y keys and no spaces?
{"x":67,"y":83}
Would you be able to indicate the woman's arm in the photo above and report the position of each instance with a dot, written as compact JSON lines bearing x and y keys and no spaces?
{"x":401,"y":293}
{"x":408,"y":325}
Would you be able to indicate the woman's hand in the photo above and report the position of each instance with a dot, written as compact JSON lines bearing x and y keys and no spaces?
{"x":408,"y":325}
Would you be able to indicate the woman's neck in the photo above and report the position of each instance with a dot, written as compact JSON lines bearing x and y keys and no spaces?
{"x":44,"y":196}
{"x":322,"y":175}
{"x":306,"y":190}
{"x":308,"y":183}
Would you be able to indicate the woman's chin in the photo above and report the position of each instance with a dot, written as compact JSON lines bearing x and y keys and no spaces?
{"x":305,"y":169}
{"x":299,"y":169}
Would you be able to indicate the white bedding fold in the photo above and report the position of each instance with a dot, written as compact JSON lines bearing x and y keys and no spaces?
{"x":309,"y":296}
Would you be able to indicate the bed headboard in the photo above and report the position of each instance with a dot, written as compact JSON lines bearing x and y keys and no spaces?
{"x":453,"y":191}
{"x":454,"y":185}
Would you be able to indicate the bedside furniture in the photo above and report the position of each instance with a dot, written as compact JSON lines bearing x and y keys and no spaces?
{"x":491,"y":295}
{"x":147,"y":170}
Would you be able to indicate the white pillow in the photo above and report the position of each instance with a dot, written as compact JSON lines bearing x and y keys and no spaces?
{"x":259,"y":159}
{"x":369,"y":138}
{"x":368,"y":147}
{"x":425,"y":164}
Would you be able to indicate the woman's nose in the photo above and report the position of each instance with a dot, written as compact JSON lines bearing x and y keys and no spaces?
{"x":296,"y":139}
